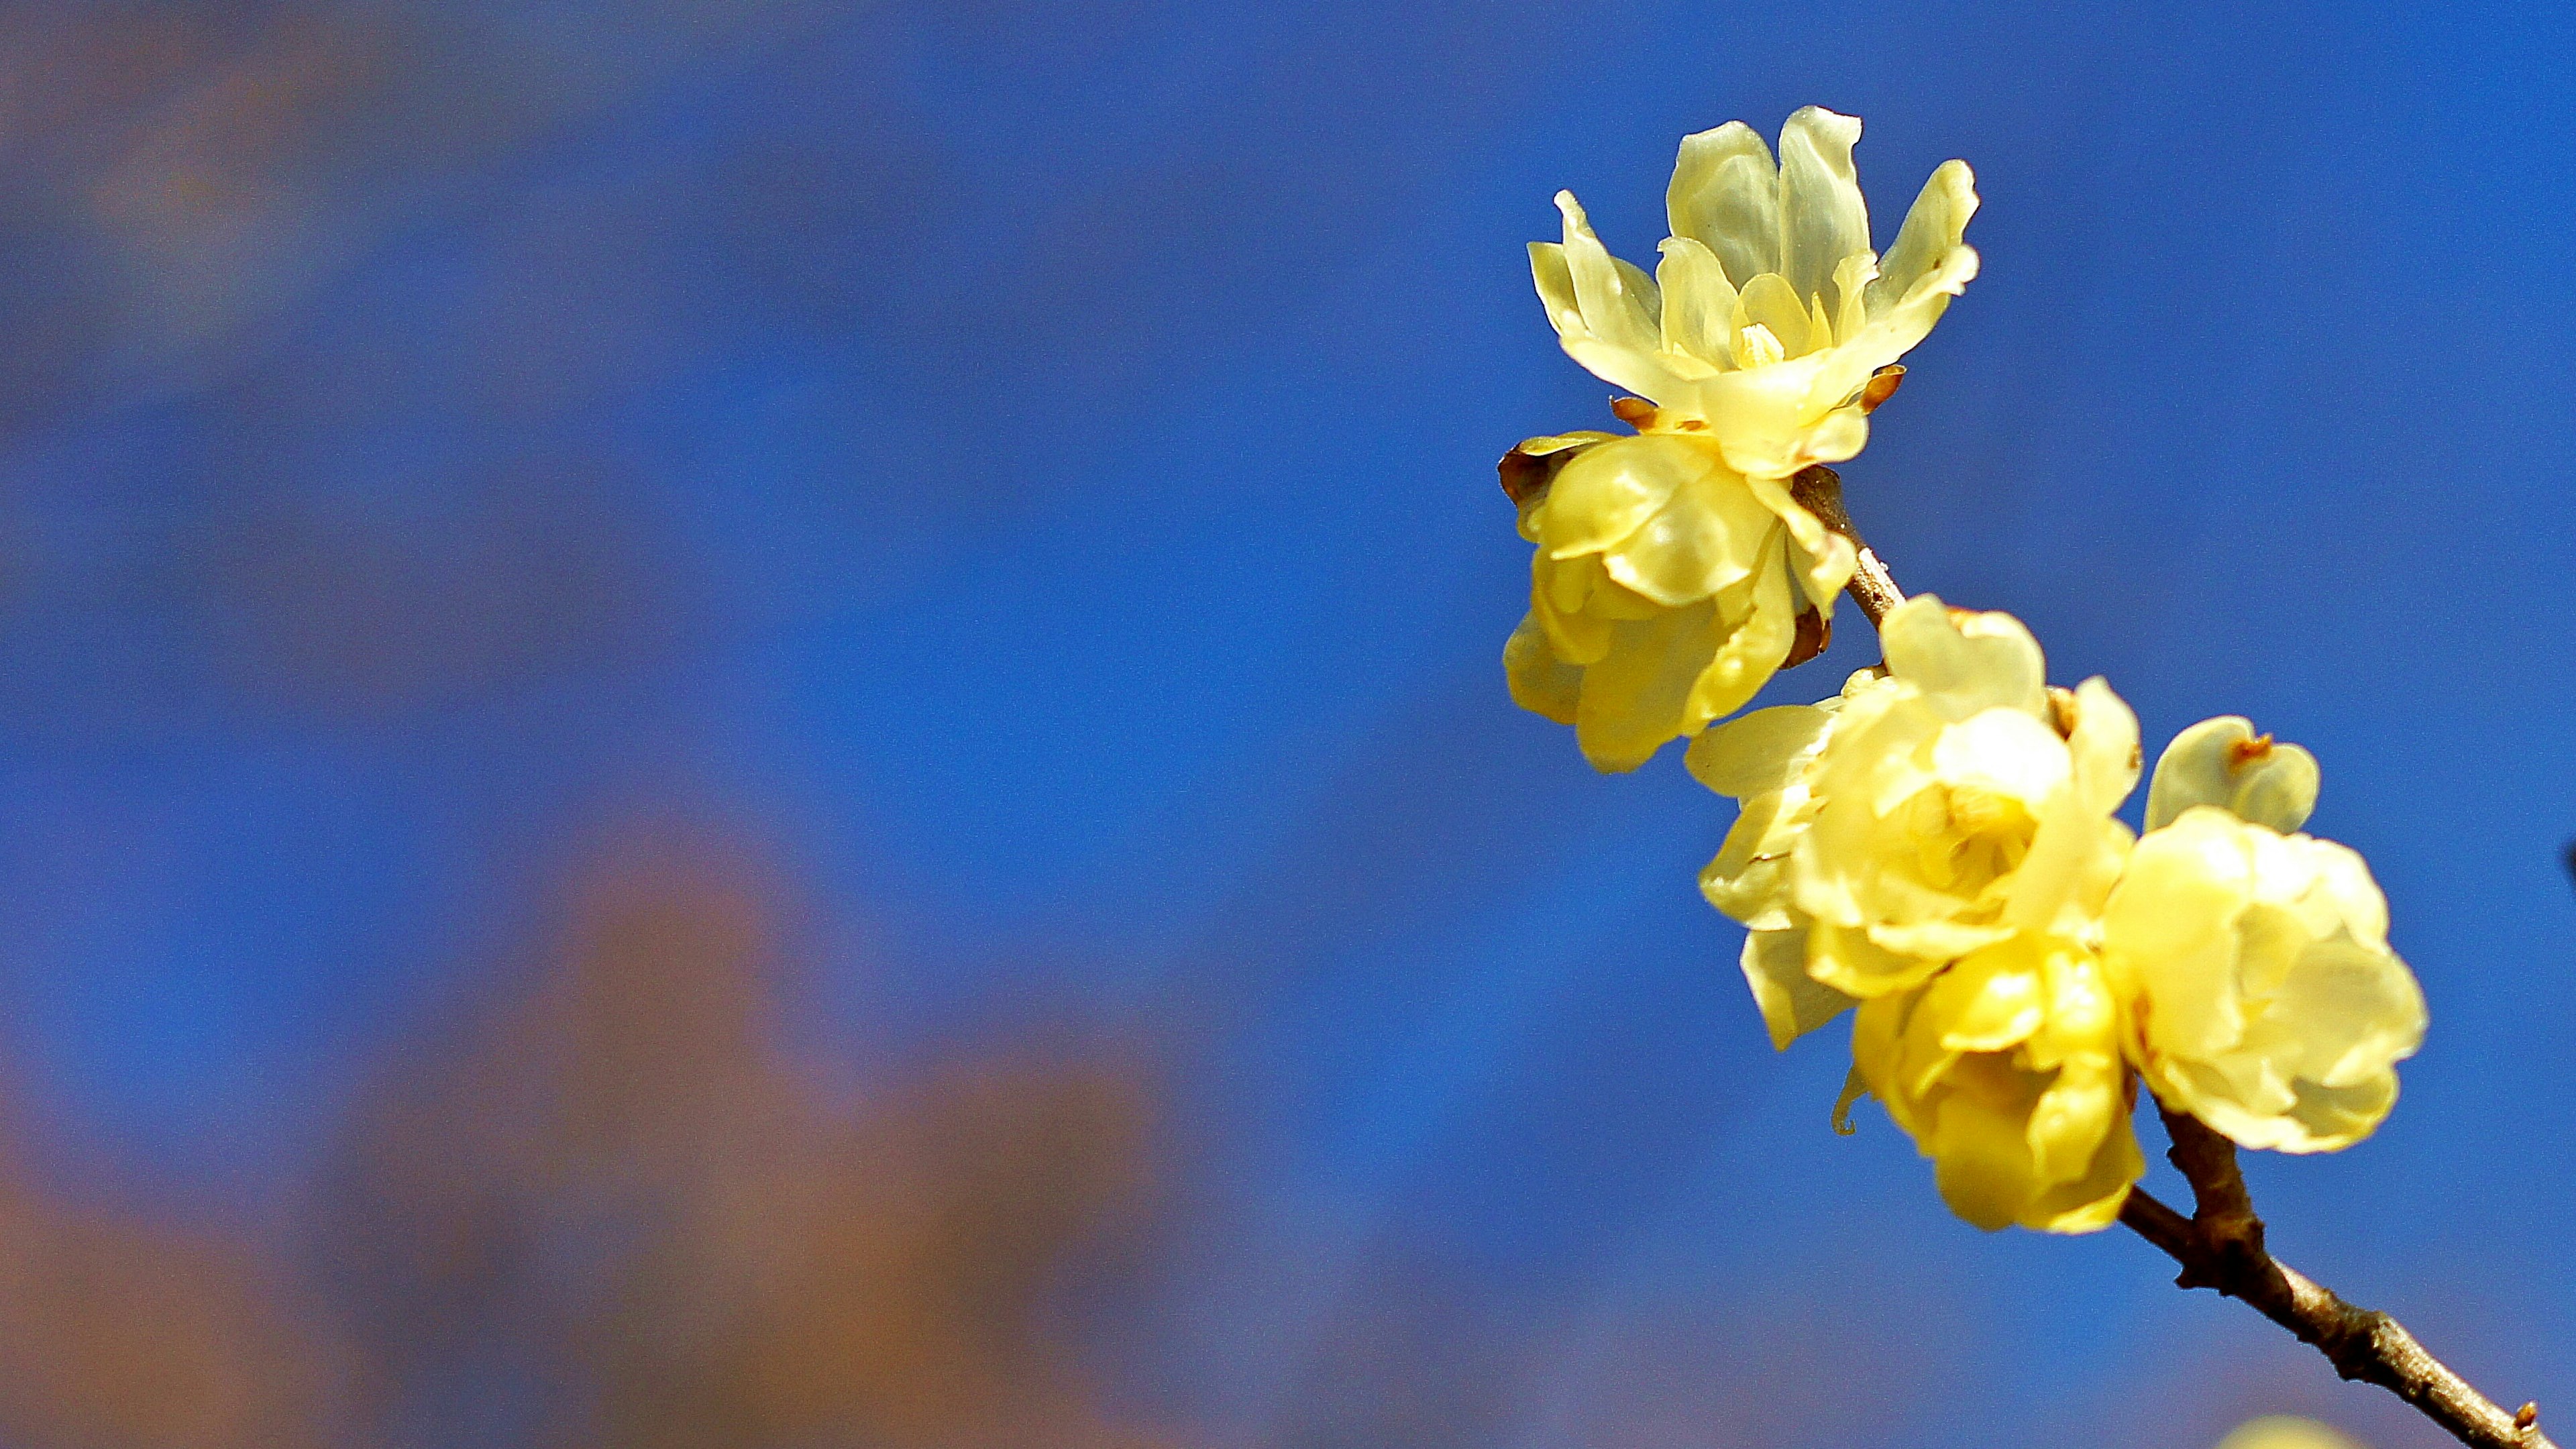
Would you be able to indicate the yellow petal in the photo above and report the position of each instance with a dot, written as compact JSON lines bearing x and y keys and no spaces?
{"x":1758,"y":752}
{"x":1711,"y":533}
{"x":1754,"y":648}
{"x":1637,"y":696}
{"x":1609,"y":491}
{"x":1936,"y":225}
{"x":1699,"y":302}
{"x":1822,"y":216}
{"x":2218,"y":762}
{"x":1962,"y":667}
{"x":1769,"y":303}
{"x":1540,"y":682}
{"x":1725,"y":195}
{"x":1792,"y":1002}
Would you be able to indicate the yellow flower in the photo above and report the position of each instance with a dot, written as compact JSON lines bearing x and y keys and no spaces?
{"x":1662,"y":592}
{"x":1672,"y":568}
{"x":2006,"y":1071}
{"x":2270,"y":1005}
{"x":1769,"y":312}
{"x":1937,"y":843}
{"x":2284,"y":1431}
{"x":1953,"y":813}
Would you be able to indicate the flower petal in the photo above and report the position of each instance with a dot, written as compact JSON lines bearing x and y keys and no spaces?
{"x":1725,"y":195}
{"x":1699,"y":302}
{"x":1768,"y":303}
{"x":1756,"y":646}
{"x":1792,"y":1002}
{"x":1758,"y":752}
{"x":1967,"y":665}
{"x":1937,"y":223}
{"x":1707,"y":536}
{"x":1638,"y":695}
{"x":1823,"y":560}
{"x":1610,"y":491}
{"x":1605,"y":311}
{"x":1540,"y":682}
{"x":1822,"y":216}
{"x":2216,"y":762}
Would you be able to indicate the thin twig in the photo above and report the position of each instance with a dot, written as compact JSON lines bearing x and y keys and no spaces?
{"x":1819,"y":490}
{"x":2221,"y":1246}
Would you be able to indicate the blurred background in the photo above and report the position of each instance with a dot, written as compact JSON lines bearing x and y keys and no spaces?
{"x":777,"y":724}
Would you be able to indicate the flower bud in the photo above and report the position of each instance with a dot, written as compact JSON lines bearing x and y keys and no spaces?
{"x":2222,"y":762}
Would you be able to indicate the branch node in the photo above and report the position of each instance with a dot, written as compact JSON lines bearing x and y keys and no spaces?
{"x":1819,"y":490}
{"x":2221,"y":1246}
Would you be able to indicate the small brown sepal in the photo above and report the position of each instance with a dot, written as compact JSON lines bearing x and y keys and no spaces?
{"x":1636,"y":412}
{"x":1815,"y":631}
{"x":1881,"y":386}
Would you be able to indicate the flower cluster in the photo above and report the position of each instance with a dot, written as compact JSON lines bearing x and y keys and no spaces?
{"x":1937,"y":847}
{"x":1671,"y":566}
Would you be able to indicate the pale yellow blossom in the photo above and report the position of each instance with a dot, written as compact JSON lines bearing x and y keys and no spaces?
{"x":1769,"y":310}
{"x":1664,"y":591}
{"x":2006,"y":1071}
{"x":1937,"y":843}
{"x":2269,"y":1003}
{"x":1953,"y":812}
{"x":2286,"y":1431}
{"x":1672,"y":567}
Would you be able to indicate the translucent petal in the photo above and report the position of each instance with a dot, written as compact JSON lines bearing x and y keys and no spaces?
{"x":1725,"y":195}
{"x":2358,"y":1010}
{"x":2092,"y":1202}
{"x":1768,"y":302}
{"x":1752,"y":652}
{"x":1894,"y":329}
{"x":2171,"y":921}
{"x":1699,"y":302}
{"x":1988,"y":1002}
{"x":2067,"y":1126}
{"x":1540,"y":682}
{"x":1849,"y":961}
{"x":1614,"y":308}
{"x":2005,"y":750}
{"x":1963,"y":666}
{"x":1852,"y":276}
{"x":1638,"y":695}
{"x":1760,"y":415}
{"x":1758,"y":752}
{"x":2104,"y":746}
{"x":1610,"y":491}
{"x":1555,"y":283}
{"x":1711,"y":533}
{"x":1605,"y":311}
{"x":1822,"y":216}
{"x":1747,"y":880}
{"x":1936,"y":224}
{"x":1824,"y":560}
{"x":1979,"y":1148}
{"x":1792,"y":1002}
{"x":1575,"y":636}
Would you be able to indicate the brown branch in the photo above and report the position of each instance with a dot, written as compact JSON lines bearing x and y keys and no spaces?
{"x":1819,"y":490}
{"x":2221,"y":1246}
